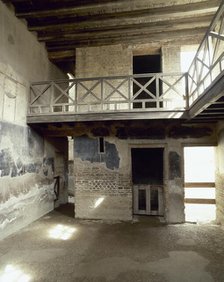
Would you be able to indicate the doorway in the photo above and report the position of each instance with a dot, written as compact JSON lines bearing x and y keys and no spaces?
{"x":199,"y":187}
{"x":146,"y":64}
{"x":147,"y":179}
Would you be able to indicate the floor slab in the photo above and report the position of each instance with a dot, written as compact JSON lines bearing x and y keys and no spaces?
{"x":59,"y":248}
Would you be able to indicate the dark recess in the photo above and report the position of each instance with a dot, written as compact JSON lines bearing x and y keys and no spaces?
{"x":147,"y":166}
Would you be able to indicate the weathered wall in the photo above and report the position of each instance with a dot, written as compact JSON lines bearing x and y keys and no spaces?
{"x":117,"y":60}
{"x":102,"y":184}
{"x":70,"y":166}
{"x":103,"y":61}
{"x":26,"y":160}
{"x":171,"y":59}
{"x":171,"y":63}
{"x":26,"y":172}
{"x":220,"y":175}
{"x":107,"y":178}
{"x":58,"y":147}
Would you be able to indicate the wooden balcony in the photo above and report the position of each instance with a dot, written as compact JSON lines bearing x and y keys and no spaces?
{"x":104,"y":98}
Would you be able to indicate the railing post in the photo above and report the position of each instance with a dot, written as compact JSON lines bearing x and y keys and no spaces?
{"x":76,"y":96}
{"x":52,"y":96}
{"x":187,"y":91}
{"x":157,"y":92}
{"x":102,"y":96}
{"x":129,"y":93}
{"x":29,"y":103}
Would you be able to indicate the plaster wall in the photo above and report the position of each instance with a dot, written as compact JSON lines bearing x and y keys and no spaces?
{"x":171,"y":64}
{"x":171,"y":59}
{"x":26,"y":159}
{"x":220,"y":175}
{"x":26,"y":177}
{"x":103,"y":182}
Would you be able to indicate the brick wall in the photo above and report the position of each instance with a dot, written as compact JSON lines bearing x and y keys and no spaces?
{"x":103,"y":61}
{"x":102,"y":187}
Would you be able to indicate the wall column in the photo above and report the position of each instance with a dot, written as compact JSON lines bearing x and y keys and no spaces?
{"x":220,"y":175}
{"x":174,"y":184}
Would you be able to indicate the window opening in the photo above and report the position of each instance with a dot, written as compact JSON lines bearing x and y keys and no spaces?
{"x":101,"y":145}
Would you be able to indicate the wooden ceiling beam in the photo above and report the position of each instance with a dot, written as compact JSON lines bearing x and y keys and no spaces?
{"x":24,"y":6}
{"x":112,"y":21}
{"x":151,"y":27}
{"x":60,"y":56}
{"x":141,"y":15}
{"x":143,"y":30}
{"x":162,"y":37}
{"x":55,"y":2}
{"x":113,"y":7}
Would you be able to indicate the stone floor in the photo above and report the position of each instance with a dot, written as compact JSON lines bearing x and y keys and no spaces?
{"x":60,"y":248}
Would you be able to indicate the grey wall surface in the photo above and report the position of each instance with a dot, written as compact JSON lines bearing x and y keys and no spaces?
{"x":27,"y":160}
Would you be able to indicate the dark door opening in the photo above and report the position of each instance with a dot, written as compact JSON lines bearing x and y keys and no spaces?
{"x":144,"y":65}
{"x":147,"y":178}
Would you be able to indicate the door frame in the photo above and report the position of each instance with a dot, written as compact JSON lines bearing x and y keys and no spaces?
{"x":148,"y":189}
{"x":161,"y":209}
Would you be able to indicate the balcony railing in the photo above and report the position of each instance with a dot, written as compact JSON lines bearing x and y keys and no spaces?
{"x":208,"y":64}
{"x":146,"y":92}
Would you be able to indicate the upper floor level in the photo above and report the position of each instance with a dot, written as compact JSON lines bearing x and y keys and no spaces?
{"x":105,"y":87}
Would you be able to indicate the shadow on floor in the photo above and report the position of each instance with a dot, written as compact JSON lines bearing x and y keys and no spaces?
{"x":66,"y":209}
{"x":149,"y":220}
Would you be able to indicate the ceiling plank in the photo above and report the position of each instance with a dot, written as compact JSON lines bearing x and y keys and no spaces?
{"x":115,"y":22}
{"x":112,"y":7}
{"x":141,"y":30}
{"x":161,"y":37}
{"x":151,"y":27}
{"x":59,"y":56}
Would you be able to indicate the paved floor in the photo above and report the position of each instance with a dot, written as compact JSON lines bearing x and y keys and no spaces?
{"x":60,"y":248}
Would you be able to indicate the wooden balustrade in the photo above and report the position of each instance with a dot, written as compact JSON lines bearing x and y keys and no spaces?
{"x":147,"y":92}
{"x":208,"y":64}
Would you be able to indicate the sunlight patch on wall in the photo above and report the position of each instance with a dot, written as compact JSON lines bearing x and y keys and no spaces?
{"x":62,"y":232}
{"x":187,"y":55}
{"x":98,"y":202}
{"x":13,"y":274}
